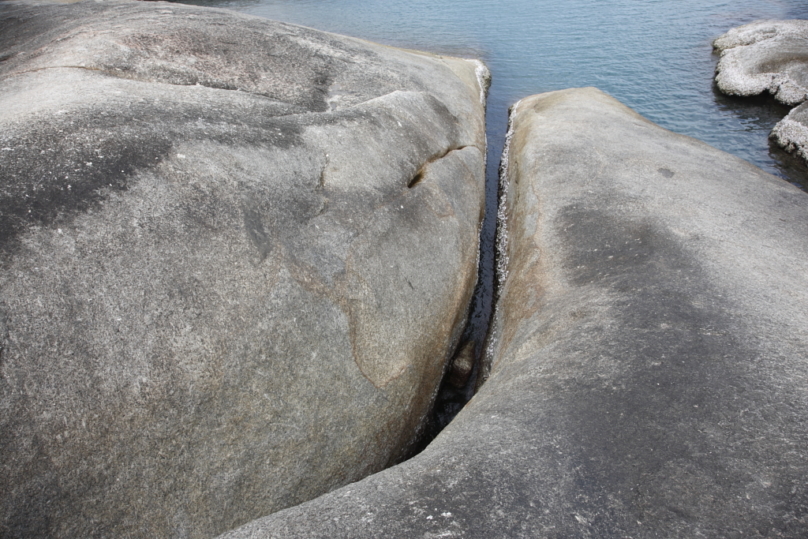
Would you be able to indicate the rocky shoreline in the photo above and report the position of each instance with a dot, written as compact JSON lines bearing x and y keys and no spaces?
{"x":648,"y":372}
{"x":236,"y":259}
{"x":770,"y":56}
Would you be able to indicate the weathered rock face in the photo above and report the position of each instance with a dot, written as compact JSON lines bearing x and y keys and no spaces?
{"x":649,"y":375}
{"x":791,"y":133}
{"x":765,"y":56}
{"x":235,"y":257}
{"x":770,"y":56}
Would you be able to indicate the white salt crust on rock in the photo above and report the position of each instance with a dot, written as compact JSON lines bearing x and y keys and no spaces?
{"x":765,"y":56}
{"x":770,"y":56}
{"x":791,"y":133}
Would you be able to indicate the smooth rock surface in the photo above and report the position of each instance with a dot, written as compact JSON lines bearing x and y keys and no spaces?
{"x":650,"y":373}
{"x":770,"y":56}
{"x":235,"y":256}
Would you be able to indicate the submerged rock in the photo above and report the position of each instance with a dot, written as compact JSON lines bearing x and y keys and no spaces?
{"x":770,"y":56}
{"x":235,"y":257}
{"x":649,"y":374}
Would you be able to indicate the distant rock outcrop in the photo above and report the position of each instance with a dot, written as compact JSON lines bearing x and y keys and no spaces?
{"x":649,"y":371}
{"x":235,"y":257}
{"x":791,"y":133}
{"x":770,"y":56}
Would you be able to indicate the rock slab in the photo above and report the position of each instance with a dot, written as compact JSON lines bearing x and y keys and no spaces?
{"x":649,"y":371}
{"x":770,"y":56}
{"x":235,"y":256}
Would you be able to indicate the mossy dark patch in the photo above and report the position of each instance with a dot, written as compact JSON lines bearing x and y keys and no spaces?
{"x":55,"y":168}
{"x":687,"y":378}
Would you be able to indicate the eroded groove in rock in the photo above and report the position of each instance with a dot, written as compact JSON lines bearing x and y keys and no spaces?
{"x":416,"y":179}
{"x":422,"y":171}
{"x":650,"y":363}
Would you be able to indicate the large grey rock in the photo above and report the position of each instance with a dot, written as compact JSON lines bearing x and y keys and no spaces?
{"x":650,"y":373}
{"x":236,"y":255}
{"x":770,"y":56}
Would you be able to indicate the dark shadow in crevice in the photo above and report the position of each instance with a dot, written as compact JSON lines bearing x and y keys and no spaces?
{"x":462,"y":377}
{"x":456,"y":389}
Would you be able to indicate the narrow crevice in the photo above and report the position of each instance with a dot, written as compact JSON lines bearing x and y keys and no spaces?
{"x":457,"y":388}
{"x":466,"y":370}
{"x":500,"y":248}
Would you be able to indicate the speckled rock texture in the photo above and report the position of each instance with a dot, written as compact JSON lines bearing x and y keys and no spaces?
{"x":649,"y":361}
{"x":791,"y":133}
{"x":235,"y":256}
{"x":770,"y":56}
{"x":765,"y":56}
